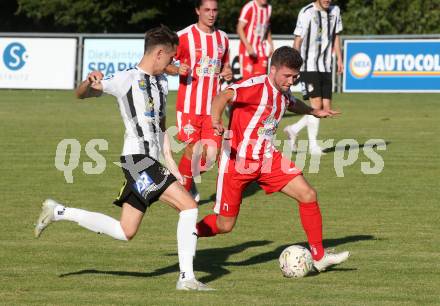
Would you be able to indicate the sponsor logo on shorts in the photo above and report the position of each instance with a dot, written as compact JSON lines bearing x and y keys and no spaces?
{"x":145,"y":185}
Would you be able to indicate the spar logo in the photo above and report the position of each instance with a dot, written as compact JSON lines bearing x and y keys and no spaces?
{"x":360,"y":65}
{"x":15,"y":56}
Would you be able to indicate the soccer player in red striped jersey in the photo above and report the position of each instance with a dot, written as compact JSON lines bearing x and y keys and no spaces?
{"x":203,"y":53}
{"x":249,"y":155}
{"x":255,"y":38}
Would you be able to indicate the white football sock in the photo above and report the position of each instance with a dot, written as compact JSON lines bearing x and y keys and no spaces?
{"x":96,"y":222}
{"x":297,"y":127}
{"x":187,"y":242}
{"x":312,"y":130}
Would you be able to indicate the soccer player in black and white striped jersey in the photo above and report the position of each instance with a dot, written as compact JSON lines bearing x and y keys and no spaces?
{"x":141,"y":95}
{"x":316,"y":37}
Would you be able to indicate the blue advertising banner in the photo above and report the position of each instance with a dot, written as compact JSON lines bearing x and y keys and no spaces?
{"x":112,"y":55}
{"x":392,"y":66}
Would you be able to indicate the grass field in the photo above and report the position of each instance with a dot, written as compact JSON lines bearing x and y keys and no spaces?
{"x":389,"y":221}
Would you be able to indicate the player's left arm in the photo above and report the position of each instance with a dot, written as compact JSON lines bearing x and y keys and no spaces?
{"x":167,"y":153}
{"x":218,"y":106}
{"x":299,"y":107}
{"x":337,"y":42}
{"x":338,"y":52}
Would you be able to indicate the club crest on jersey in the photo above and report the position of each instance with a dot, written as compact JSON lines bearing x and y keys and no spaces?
{"x":142,"y":85}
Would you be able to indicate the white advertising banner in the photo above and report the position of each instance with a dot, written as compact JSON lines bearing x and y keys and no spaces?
{"x":111,"y":55}
{"x":37,"y":63}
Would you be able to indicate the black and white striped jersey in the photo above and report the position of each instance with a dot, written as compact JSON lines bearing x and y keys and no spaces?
{"x":318,"y":29}
{"x":142,"y":103}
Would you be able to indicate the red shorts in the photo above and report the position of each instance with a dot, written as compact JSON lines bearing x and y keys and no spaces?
{"x":234,"y":176}
{"x":193,"y":128}
{"x":253,"y":66}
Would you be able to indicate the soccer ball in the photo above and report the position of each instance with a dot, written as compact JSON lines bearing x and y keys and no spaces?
{"x":295,"y":261}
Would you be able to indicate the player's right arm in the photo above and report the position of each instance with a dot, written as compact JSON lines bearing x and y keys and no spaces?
{"x":91,"y":87}
{"x":183,"y":69}
{"x":218,"y":106}
{"x":240,"y":31}
{"x":301,"y":29}
{"x":244,"y":18}
{"x":297,"y":42}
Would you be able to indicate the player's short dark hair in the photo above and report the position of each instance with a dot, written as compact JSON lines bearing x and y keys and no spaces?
{"x":198,"y":3}
{"x":288,"y":57}
{"x":161,"y":35}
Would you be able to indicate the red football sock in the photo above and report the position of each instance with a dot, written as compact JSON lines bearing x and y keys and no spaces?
{"x":207,"y":227}
{"x":312,"y":223}
{"x":185,"y":170}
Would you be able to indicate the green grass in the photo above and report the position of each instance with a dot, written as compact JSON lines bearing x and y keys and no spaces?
{"x":389,"y":221}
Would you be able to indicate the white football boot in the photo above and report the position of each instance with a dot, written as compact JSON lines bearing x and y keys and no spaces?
{"x":291,"y":134}
{"x":46,"y":216}
{"x":330,"y":259}
{"x":192,"y":284}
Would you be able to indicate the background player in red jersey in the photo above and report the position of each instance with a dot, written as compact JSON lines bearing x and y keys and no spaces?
{"x":255,"y":38}
{"x":203,"y":53}
{"x":250,"y":156}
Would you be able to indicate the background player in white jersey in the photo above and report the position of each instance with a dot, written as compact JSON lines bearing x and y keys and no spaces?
{"x":141,"y":95}
{"x":316,"y":37}
{"x":203,"y":53}
{"x":250,"y":156}
{"x":256,"y":44}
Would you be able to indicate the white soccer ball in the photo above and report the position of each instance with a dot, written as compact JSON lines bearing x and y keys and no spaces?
{"x":295,"y":261}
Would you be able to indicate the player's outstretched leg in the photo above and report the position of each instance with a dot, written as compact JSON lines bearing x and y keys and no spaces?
{"x":311,"y":220}
{"x":99,"y":223}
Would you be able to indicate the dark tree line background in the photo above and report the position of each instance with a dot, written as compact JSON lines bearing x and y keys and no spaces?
{"x":135,"y":16}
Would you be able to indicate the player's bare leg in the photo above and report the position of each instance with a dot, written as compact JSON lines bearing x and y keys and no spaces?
{"x":311,"y":219}
{"x":326,"y":104}
{"x":312,"y":124}
{"x":177,"y":197}
{"x":313,"y":127}
{"x":131,"y":219}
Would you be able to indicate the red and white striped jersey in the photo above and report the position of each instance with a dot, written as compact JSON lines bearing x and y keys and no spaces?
{"x":257,"y":21}
{"x":205,"y":54}
{"x":257,"y":109}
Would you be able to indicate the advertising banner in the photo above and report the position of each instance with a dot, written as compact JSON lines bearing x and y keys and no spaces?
{"x":111,"y":55}
{"x":37,"y":63}
{"x":392,"y":66}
